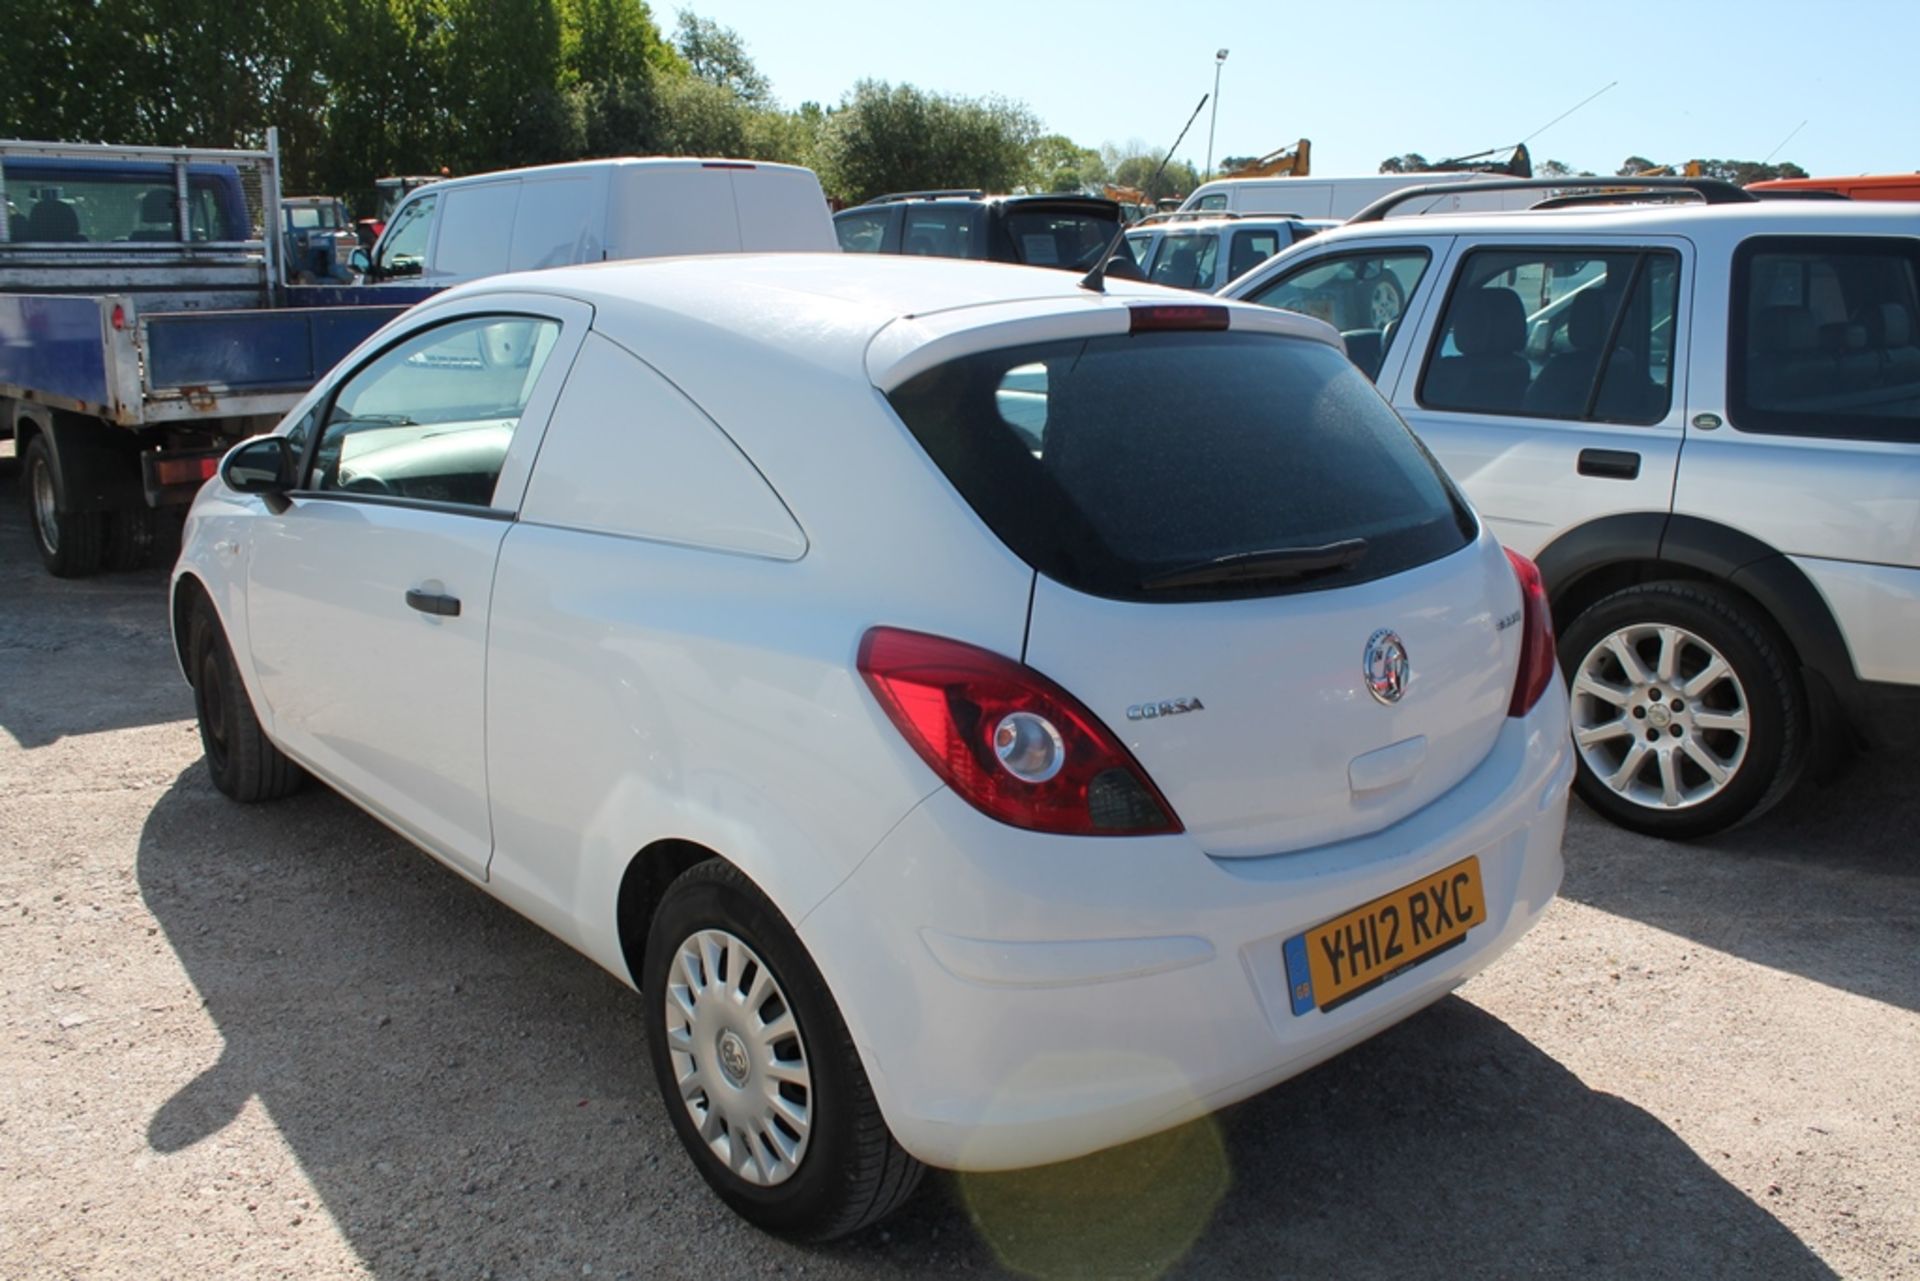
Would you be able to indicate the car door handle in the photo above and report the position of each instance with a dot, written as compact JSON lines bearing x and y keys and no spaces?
{"x":434,"y":603}
{"x":1613,"y":464}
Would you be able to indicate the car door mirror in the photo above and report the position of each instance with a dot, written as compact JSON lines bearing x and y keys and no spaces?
{"x":264,"y":465}
{"x":361,"y":262}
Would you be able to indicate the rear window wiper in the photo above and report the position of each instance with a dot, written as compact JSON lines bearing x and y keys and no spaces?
{"x":1277,"y":564}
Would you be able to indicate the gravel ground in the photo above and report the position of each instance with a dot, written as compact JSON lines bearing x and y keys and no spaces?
{"x":274,"y":1041}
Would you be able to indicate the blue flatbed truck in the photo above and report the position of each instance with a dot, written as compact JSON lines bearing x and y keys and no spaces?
{"x":144,"y":327}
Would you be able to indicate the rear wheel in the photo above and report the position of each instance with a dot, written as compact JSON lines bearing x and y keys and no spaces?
{"x":70,"y":542}
{"x":243,"y":762}
{"x":1687,"y":715}
{"x":756,"y":1067}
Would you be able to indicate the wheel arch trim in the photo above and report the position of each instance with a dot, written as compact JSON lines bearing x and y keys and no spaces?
{"x":1713,"y":552}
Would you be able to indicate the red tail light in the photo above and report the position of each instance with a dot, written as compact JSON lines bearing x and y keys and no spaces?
{"x":1537,"y":658}
{"x":1162,"y":317}
{"x":1012,"y":743}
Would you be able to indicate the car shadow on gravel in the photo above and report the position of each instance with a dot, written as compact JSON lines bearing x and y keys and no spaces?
{"x":83,"y":655}
{"x":471,"y":1098}
{"x":1826,"y":885}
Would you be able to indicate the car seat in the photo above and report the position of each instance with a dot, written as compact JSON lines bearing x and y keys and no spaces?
{"x":53,"y":219}
{"x":156,"y":207}
{"x":1489,"y":328}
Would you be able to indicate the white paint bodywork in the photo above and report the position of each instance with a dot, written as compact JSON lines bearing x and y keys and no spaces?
{"x":607,"y":210}
{"x":707,"y":504}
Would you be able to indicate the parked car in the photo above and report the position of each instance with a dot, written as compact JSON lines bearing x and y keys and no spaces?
{"x":461,"y":229}
{"x":319,"y":239}
{"x":952,"y":795}
{"x":1064,"y":231}
{"x":1704,"y":422}
{"x":1205,"y":251}
{"x":1331,"y":197}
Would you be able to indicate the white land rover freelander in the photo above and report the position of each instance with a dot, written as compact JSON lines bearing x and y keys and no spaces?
{"x":1703,"y":421}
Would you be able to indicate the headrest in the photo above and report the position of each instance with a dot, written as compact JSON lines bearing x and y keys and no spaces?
{"x":1785,"y":330}
{"x":1842,"y":337}
{"x":156,"y":205}
{"x":1489,"y":321}
{"x":1587,"y":320}
{"x":1889,"y":325}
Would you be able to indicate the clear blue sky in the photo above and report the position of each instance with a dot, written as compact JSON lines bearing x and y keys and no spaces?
{"x":1366,"y":79}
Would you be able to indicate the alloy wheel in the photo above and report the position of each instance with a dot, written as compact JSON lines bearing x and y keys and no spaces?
{"x":1659,"y":716}
{"x":46,"y":506}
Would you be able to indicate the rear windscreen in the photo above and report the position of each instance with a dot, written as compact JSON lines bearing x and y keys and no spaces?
{"x":1070,"y":238}
{"x":1109,"y":463}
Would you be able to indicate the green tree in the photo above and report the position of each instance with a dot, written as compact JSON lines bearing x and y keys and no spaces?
{"x":1411,"y":162}
{"x":893,"y":138}
{"x":1178,"y":179}
{"x":717,"y":55}
{"x":1061,"y":164}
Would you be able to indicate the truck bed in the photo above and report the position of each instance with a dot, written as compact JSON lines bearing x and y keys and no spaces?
{"x":103,"y":356}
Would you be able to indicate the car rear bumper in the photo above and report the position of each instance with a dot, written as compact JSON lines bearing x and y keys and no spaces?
{"x":1019,"y":999}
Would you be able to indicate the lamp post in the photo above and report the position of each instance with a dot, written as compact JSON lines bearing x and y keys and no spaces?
{"x":1219,"y":61}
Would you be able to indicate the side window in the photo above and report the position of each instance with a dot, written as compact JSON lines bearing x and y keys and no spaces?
{"x":1141,"y":247}
{"x":1250,"y":249}
{"x":406,"y":249}
{"x":862,"y":231}
{"x":431,"y":417}
{"x":1217,"y":200}
{"x":1578,"y":334}
{"x":1824,"y":340}
{"x":1361,"y":295}
{"x":1187,"y":261}
{"x":939,"y":231}
{"x":298,"y":433}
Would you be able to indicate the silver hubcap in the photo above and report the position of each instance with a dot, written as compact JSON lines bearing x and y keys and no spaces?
{"x":738,"y":1058}
{"x":1659,"y":716}
{"x":46,"y":509}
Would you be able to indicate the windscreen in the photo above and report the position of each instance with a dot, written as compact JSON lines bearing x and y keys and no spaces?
{"x":1070,"y":238}
{"x":1125,"y":466}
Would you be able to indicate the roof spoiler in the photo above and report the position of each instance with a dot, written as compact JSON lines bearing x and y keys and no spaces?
{"x":1711,"y":191}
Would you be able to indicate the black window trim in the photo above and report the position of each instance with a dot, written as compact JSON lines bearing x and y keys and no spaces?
{"x":323,"y":409}
{"x":1741,"y":415}
{"x":1641,"y":253}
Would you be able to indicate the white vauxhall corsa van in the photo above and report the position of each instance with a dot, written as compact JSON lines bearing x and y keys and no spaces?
{"x":462,"y":229}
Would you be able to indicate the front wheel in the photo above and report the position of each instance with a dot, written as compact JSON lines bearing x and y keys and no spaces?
{"x":756,"y":1067}
{"x":244,"y":763}
{"x":1687,"y":714}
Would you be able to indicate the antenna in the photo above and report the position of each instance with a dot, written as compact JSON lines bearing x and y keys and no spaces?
{"x":1096,"y":279}
{"x":1783,"y":142}
{"x":1569,"y":111}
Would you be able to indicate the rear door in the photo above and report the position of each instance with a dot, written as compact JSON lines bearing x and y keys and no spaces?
{"x":1550,"y":381}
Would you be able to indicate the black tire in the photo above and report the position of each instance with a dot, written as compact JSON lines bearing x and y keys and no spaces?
{"x":244,"y":764}
{"x":1765,"y":685}
{"x":852,"y":1173}
{"x":70,"y":543}
{"x":131,"y":538}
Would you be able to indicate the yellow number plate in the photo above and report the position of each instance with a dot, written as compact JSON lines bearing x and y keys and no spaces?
{"x":1337,"y":961}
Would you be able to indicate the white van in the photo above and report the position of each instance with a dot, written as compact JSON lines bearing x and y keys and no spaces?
{"x":558,"y":215}
{"x":1310,"y":197}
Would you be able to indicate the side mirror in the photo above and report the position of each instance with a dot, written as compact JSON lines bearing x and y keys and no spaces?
{"x":361,"y":262}
{"x":263,"y":465}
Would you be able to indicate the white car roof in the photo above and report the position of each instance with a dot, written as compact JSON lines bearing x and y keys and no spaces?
{"x":877,"y":317}
{"x":1777,"y":217}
